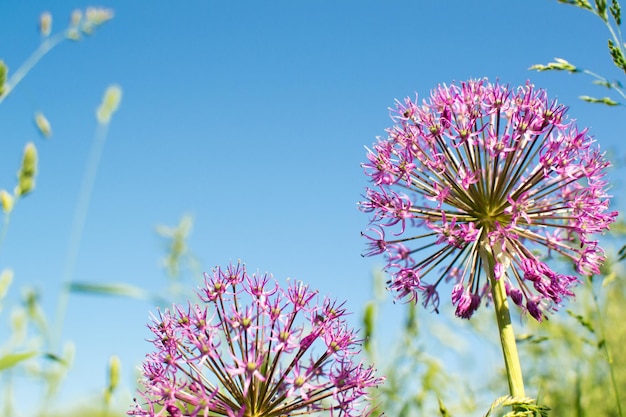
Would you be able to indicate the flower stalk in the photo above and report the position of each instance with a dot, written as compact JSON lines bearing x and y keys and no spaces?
{"x":505,"y":328}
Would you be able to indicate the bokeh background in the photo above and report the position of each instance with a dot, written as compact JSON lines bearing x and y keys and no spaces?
{"x":251,"y":117}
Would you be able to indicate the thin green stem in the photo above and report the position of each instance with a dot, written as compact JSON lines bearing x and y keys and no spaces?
{"x":80,"y":216}
{"x":5,"y":226}
{"x":604,"y":80}
{"x":605,"y":347}
{"x":7,"y":378}
{"x":503,"y":316}
{"x":45,"y":47}
{"x":507,"y":338}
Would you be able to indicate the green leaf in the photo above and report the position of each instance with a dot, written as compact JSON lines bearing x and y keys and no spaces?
{"x":601,"y":8}
{"x":410,"y":325}
{"x":604,"y":100}
{"x":617,"y":56}
{"x":616,"y":12}
{"x":3,"y":76}
{"x":34,"y":312}
{"x":442,"y":409}
{"x":56,"y":358}
{"x":531,"y":338}
{"x":583,"y":4}
{"x":559,"y":64}
{"x":10,"y":360}
{"x":608,"y":279}
{"x":603,"y":83}
{"x":582,"y":321}
{"x":496,"y":404}
{"x":369,"y":318}
{"x":522,"y":407}
{"x":529,"y":410}
{"x":123,"y":290}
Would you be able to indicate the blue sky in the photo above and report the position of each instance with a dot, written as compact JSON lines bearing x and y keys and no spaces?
{"x":252,"y":117}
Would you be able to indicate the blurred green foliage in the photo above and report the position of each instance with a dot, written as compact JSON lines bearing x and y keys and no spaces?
{"x":417,"y":383}
{"x":574,"y":361}
{"x":31,"y":352}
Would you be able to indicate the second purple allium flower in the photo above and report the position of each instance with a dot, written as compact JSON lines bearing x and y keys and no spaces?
{"x":254,"y":350}
{"x":481,"y":166}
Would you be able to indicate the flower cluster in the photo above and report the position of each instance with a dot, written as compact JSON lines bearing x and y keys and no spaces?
{"x":254,"y":349}
{"x":483,"y":169}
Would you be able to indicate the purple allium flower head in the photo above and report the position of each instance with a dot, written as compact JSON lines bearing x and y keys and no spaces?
{"x":254,"y":349}
{"x":482,"y":167}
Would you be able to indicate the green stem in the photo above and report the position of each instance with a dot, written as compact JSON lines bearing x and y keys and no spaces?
{"x":503,"y":316}
{"x":78,"y":225}
{"x":5,"y":225}
{"x":45,"y":47}
{"x":507,"y":338}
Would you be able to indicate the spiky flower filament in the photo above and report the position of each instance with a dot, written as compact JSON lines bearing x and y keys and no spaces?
{"x":254,"y":350}
{"x":480,"y":162}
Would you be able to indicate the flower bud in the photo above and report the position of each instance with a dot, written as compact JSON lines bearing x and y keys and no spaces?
{"x":114,"y":377}
{"x":110,"y":103}
{"x":45,"y":24}
{"x":6,"y":201}
{"x":76,"y":17}
{"x":28,"y":170}
{"x":115,"y":366}
{"x":6,"y":277}
{"x":73,"y":34}
{"x":98,"y":15}
{"x":94,"y":17}
{"x":43,"y":125}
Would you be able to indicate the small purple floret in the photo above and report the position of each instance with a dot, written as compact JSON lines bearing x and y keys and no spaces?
{"x":254,"y":349}
{"x":481,"y":165}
